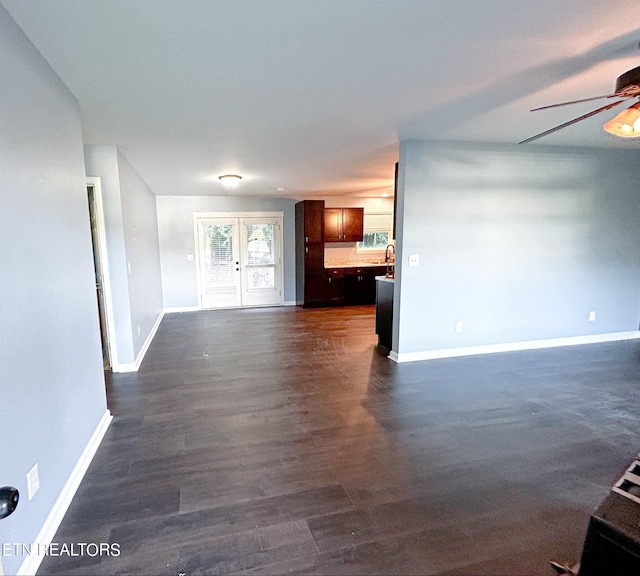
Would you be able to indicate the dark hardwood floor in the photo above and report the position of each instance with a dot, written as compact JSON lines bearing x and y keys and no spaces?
{"x":278,"y":441}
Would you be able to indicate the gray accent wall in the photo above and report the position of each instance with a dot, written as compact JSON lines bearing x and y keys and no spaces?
{"x":177,"y":241}
{"x":140,"y":221}
{"x":102,"y":161}
{"x":51,"y":380}
{"x":518,"y":243}
{"x":133,"y":253}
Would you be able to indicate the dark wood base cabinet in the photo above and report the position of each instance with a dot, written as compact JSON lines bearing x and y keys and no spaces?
{"x":315,"y":293}
{"x":351,"y":286}
{"x":360,"y":284}
{"x":341,"y":286}
{"x":335,"y":286}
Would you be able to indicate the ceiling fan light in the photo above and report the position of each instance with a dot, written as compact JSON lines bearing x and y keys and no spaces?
{"x":230,"y":180}
{"x":626,"y":124}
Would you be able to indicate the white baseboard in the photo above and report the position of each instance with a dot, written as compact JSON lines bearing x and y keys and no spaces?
{"x":148,"y":341}
{"x":135,"y":366}
{"x":197,"y":308}
{"x":32,"y":562}
{"x":122,"y":368}
{"x":512,"y":346}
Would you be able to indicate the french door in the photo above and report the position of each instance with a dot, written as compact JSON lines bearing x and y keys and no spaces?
{"x":239,"y":261}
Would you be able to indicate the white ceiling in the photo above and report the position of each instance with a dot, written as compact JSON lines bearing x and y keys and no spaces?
{"x":313,"y":95}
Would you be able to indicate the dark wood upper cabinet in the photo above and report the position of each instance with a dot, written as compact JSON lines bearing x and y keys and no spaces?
{"x":332,"y":224}
{"x":343,"y":224}
{"x":352,"y":224}
{"x":313,"y":221}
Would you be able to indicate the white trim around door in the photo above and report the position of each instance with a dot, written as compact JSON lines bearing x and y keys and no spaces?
{"x":109,"y":323}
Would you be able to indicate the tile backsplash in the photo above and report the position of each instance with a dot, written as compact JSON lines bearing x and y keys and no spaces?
{"x":337,"y":255}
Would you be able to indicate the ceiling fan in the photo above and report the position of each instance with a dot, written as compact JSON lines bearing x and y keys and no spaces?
{"x":625,"y":124}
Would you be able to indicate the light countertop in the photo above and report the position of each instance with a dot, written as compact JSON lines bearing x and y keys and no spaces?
{"x":353,"y":264}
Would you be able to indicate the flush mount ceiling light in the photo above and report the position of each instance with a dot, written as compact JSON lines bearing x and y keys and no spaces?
{"x":626,"y":124}
{"x":230,"y":180}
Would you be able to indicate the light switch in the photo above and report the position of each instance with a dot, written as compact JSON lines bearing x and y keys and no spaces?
{"x":33,"y":481}
{"x":414,"y":260}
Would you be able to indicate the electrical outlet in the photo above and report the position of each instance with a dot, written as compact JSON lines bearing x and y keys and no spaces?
{"x":458,"y":326}
{"x":33,"y":481}
{"x":129,"y":267}
{"x":592,"y":316}
{"x":189,"y":257}
{"x":414,"y":260}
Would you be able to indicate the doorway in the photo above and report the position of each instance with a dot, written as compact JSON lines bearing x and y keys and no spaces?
{"x":239,"y":260}
{"x":99,"y":244}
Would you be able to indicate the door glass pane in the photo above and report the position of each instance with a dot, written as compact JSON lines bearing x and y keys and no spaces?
{"x":219,"y":255}
{"x":261,"y":278}
{"x":260,"y":249}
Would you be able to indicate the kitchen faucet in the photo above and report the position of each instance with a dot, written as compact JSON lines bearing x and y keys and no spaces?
{"x":390,"y":253}
{"x":390,"y":259}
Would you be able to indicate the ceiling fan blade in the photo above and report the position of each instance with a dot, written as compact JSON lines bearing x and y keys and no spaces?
{"x":578,"y":119}
{"x":577,"y":101}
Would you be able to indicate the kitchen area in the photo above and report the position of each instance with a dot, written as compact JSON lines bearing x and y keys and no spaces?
{"x":345,"y":256}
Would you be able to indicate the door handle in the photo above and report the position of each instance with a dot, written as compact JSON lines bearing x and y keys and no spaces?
{"x":9,"y":497}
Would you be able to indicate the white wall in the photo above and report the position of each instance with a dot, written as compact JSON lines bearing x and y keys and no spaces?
{"x":175,"y":227}
{"x":517,"y":243}
{"x":51,"y":382}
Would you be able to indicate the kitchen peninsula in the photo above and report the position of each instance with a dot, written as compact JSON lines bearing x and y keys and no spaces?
{"x":384,"y":310}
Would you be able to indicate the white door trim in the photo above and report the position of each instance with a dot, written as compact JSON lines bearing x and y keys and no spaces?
{"x":197,"y":216}
{"x":109,"y":328}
